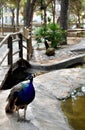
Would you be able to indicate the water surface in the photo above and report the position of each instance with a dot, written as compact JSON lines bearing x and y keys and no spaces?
{"x":74,"y":109}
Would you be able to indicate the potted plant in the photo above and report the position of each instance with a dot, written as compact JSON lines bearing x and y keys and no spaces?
{"x":50,"y":32}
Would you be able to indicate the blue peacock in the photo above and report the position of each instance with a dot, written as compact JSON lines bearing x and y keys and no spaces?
{"x":20,"y":96}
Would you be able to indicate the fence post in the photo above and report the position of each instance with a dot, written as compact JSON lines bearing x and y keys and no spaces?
{"x":29,"y":48}
{"x":20,"y":46}
{"x":10,"y":59}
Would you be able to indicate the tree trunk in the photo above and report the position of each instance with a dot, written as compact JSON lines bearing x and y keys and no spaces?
{"x":29,"y":16}
{"x":79,"y":22}
{"x":2,"y":23}
{"x":64,"y":17}
{"x":17,"y":13}
{"x":29,"y":12}
{"x":12,"y":20}
{"x":54,"y":5}
{"x":45,"y":21}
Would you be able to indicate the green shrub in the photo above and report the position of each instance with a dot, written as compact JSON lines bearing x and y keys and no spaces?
{"x":51,"y":32}
{"x":40,"y":33}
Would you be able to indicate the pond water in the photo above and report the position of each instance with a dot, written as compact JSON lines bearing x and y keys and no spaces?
{"x":74,"y":109}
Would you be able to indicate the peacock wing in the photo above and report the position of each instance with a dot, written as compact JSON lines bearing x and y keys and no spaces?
{"x":15,"y":89}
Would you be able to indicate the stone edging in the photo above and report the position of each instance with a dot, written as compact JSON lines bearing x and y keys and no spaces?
{"x":59,"y":65}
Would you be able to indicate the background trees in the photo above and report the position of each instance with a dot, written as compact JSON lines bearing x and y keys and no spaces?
{"x":77,"y":8}
{"x":28,"y":7}
{"x":14,"y":4}
{"x":2,"y":3}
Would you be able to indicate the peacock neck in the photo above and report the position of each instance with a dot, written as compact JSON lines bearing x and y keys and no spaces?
{"x":31,"y":83}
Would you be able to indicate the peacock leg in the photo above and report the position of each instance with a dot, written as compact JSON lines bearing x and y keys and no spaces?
{"x":18,"y":115}
{"x":25,"y":108}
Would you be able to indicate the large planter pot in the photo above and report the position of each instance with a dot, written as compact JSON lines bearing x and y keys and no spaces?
{"x":50,"y":51}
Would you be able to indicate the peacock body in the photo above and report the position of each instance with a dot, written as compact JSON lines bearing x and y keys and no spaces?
{"x":20,"y":96}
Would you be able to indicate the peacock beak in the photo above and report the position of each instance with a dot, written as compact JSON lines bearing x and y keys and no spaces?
{"x":34,"y":75}
{"x":30,"y":75}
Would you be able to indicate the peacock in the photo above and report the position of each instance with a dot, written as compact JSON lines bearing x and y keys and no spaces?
{"x":20,"y":96}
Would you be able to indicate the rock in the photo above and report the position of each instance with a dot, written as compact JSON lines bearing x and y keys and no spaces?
{"x":45,"y":113}
{"x":50,"y":51}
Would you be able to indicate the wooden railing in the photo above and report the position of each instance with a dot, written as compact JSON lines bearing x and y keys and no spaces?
{"x":11,"y":39}
{"x":78,"y":32}
{"x":9,"y":29}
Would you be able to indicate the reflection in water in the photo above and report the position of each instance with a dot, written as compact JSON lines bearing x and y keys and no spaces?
{"x":74,"y":109}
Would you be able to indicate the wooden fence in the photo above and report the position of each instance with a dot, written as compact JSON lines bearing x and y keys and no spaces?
{"x":79,"y":32}
{"x":8,"y":52}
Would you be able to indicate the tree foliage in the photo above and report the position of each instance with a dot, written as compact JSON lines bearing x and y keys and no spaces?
{"x":31,"y":6}
{"x":78,"y":8}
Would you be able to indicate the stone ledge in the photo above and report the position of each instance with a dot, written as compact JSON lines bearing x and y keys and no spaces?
{"x":59,"y":64}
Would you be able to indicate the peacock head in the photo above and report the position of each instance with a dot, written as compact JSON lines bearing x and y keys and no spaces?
{"x":30,"y":76}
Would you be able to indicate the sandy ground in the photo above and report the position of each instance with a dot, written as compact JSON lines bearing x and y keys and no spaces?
{"x":73,"y":40}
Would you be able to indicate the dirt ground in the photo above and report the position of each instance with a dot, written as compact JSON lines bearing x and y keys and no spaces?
{"x":73,"y":40}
